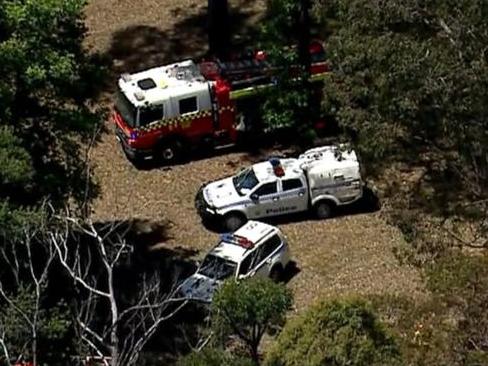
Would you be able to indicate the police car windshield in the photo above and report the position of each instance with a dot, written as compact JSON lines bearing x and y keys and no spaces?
{"x":245,"y":180}
{"x":125,"y":109}
{"x":217,"y":268}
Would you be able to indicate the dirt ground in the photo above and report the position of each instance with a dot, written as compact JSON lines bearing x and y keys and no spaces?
{"x":349,"y":254}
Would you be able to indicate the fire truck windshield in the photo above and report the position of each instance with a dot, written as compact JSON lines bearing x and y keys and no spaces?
{"x":125,"y":109}
{"x":245,"y":180}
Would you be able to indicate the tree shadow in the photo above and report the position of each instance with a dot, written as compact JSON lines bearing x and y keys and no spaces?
{"x":140,"y":47}
{"x":148,"y":256}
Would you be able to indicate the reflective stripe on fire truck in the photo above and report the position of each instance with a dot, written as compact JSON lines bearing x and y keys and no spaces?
{"x":183,"y":121}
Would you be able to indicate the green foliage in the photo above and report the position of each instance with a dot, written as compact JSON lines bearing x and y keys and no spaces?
{"x":248,"y":308}
{"x":450,"y":327}
{"x":410,"y":78}
{"x":47,"y":90}
{"x":422,"y":327}
{"x":14,"y":160}
{"x":460,"y":282}
{"x":213,"y":357}
{"x":52,"y":325}
{"x":345,"y":332}
{"x":288,"y":105}
{"x":46,"y":85}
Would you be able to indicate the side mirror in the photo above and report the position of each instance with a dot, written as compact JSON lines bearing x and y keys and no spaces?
{"x":254,"y":197}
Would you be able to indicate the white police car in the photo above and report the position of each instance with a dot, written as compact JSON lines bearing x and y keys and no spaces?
{"x":256,"y":249}
{"x":318,"y":180}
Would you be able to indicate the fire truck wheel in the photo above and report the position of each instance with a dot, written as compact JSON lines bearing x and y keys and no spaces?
{"x":233,"y":221}
{"x":170,"y":151}
{"x":323,"y":210}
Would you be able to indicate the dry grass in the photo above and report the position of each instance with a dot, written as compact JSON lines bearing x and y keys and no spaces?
{"x":351,"y":254}
{"x":348,"y":254}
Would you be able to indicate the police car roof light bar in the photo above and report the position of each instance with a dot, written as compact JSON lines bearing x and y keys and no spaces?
{"x":277,"y":168}
{"x":237,"y":240}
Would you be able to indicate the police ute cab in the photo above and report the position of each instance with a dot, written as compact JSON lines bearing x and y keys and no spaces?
{"x":256,"y":249}
{"x":318,"y":180}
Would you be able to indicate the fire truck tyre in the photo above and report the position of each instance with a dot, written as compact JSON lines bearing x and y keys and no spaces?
{"x":323,"y":210}
{"x":233,"y":221}
{"x":276,"y":274}
{"x":170,"y":151}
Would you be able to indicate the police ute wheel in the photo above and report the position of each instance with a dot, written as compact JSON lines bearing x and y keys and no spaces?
{"x":232,"y":222}
{"x":323,"y":210}
{"x":276,"y":274}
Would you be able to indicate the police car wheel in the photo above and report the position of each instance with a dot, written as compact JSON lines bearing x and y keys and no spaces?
{"x":233,"y":222}
{"x":323,"y":210}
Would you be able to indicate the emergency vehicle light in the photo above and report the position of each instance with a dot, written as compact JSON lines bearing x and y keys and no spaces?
{"x":237,"y":240}
{"x":277,"y":167}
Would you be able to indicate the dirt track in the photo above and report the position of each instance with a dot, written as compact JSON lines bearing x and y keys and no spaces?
{"x":348,"y":254}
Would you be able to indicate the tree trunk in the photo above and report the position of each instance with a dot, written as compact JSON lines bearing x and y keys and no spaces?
{"x":255,"y":354}
{"x":114,"y":338}
{"x":304,"y":35}
{"x":218,"y":28}
{"x":304,"y":40}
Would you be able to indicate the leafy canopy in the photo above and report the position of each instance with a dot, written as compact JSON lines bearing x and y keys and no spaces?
{"x":212,"y":357}
{"x":46,"y":81}
{"x":339,"y":332}
{"x":409,"y":83}
{"x":289,"y":105}
{"x":248,"y":308}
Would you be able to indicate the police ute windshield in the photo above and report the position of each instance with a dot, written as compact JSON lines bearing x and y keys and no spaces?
{"x":217,"y":268}
{"x":245,"y":180}
{"x":125,"y":108}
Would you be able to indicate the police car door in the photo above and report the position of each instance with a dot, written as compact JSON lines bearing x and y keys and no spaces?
{"x":268,"y":256}
{"x":265,"y":200}
{"x":293,"y":196}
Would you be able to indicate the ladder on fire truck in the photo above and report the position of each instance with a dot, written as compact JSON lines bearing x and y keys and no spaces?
{"x":248,"y":77}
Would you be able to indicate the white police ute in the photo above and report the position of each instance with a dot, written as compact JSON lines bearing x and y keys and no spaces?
{"x":256,"y":249}
{"x":319,"y":180}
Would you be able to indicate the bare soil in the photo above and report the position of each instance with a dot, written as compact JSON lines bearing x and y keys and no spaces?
{"x":350,"y":254}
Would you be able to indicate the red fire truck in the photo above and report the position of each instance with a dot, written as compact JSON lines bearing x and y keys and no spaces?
{"x":161,"y":112}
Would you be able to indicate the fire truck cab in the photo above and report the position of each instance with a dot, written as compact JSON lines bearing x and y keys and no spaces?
{"x":159,"y":110}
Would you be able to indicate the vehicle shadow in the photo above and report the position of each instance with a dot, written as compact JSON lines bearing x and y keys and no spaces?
{"x":290,"y":272}
{"x":368,"y":203}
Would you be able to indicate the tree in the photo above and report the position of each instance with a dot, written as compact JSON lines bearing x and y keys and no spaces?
{"x":213,"y":357}
{"x":29,"y":319}
{"x":47,"y":85}
{"x":409,"y":84}
{"x":47,"y":82}
{"x":219,"y":32}
{"x":248,"y":308}
{"x":338,"y":332}
{"x":459,"y":281}
{"x":289,"y":106}
{"x":113,"y":318}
